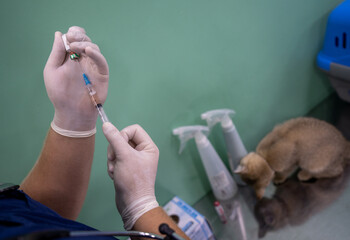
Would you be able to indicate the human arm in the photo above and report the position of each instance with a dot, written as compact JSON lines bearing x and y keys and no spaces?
{"x":60,"y":177}
{"x":132,"y":164}
{"x":151,"y":220}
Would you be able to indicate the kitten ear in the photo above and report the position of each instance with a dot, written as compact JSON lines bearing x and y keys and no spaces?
{"x":240,"y":169}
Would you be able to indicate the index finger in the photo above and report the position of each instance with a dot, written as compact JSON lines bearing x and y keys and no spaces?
{"x":115,"y":139}
{"x":98,"y":59}
{"x":76,"y":29}
{"x":138,"y":135}
{"x":77,"y":37}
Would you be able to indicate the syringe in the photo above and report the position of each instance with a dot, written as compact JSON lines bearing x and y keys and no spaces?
{"x":95,"y":100}
{"x":93,"y":96}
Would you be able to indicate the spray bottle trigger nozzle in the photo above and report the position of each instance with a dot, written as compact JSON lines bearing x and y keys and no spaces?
{"x":219,"y":115}
{"x":188,"y":132}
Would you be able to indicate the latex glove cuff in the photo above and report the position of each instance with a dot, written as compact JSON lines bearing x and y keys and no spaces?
{"x":72,"y":134}
{"x":136,"y":209}
{"x":75,"y":121}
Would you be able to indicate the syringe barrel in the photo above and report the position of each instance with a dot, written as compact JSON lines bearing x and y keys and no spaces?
{"x":95,"y":100}
{"x":102,"y":113}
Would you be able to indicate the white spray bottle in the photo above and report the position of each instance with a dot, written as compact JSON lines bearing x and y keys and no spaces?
{"x":220,"y":179}
{"x":234,"y":145}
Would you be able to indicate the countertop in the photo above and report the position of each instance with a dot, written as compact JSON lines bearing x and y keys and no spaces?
{"x":293,"y":210}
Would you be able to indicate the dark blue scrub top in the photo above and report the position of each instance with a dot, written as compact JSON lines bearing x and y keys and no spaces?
{"x":19,"y":214}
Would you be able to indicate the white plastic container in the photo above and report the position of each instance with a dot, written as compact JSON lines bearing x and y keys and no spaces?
{"x":191,"y":222}
{"x":234,"y":145}
{"x":219,"y":177}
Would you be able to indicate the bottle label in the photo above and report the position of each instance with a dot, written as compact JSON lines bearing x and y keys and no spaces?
{"x":220,"y":180}
{"x":220,"y":211}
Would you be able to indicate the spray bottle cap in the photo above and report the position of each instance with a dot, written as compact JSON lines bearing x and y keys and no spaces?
{"x":220,"y":115}
{"x":186,"y":133}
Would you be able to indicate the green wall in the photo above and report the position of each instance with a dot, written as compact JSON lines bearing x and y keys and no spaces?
{"x":169,"y":62}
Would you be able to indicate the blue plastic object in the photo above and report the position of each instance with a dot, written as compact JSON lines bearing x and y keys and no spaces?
{"x":334,"y":58}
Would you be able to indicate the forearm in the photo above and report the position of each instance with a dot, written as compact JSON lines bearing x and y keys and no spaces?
{"x":60,"y":177}
{"x":150,"y":221}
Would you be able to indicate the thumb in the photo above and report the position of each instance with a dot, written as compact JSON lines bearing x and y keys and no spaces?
{"x":113,"y":136}
{"x":58,"y":52}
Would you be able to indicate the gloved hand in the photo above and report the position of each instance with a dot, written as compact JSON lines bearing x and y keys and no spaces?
{"x":132,"y":164}
{"x":65,"y":85}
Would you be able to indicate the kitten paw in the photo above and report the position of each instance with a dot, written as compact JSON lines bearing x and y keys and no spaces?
{"x":279,"y":181}
{"x":304,"y":176}
{"x":260,"y":193}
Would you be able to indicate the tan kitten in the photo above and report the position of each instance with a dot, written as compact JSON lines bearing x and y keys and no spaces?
{"x":314,"y":146}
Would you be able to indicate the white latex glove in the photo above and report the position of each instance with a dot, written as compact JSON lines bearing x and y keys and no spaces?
{"x":65,"y":85}
{"x":132,"y":164}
